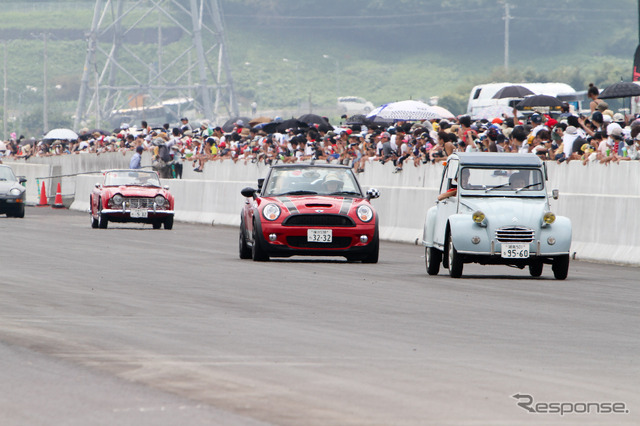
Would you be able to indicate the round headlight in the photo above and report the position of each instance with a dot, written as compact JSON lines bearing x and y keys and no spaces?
{"x":271,"y":212}
{"x":364,"y":213}
{"x":117,"y":199}
{"x":478,"y":216}
{"x":160,"y":200}
{"x":549,"y":218}
{"x":15,"y":192}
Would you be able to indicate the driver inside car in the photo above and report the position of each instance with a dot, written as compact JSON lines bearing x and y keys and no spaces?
{"x":517,"y":181}
{"x":332,"y":184}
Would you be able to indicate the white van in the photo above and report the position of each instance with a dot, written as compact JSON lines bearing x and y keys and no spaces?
{"x":480,"y":98}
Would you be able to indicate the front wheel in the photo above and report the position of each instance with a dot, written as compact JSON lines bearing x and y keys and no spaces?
{"x":560,"y":267}
{"x":535,"y":268}
{"x":372,"y":256}
{"x":19,"y":211}
{"x":455,"y":261}
{"x":257,"y":252}
{"x":243,"y":249}
{"x":103,"y":222}
{"x":168,"y":223}
{"x":433,"y":258}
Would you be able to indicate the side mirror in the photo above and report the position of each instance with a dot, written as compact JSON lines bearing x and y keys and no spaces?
{"x":166,"y":187}
{"x":22,"y":179}
{"x":372,"y":193}
{"x":97,"y":185}
{"x":555,"y":194}
{"x":248,"y":192}
{"x":260,"y":182}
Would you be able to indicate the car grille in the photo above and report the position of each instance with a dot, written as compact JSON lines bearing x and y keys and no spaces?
{"x":515,"y":234}
{"x":301,"y":242}
{"x":138,"y":203}
{"x":318,"y":220}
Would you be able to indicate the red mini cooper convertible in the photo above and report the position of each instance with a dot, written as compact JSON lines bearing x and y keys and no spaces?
{"x":312,"y":210}
{"x":131,"y":196}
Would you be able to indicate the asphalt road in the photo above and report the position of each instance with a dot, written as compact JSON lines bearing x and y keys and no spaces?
{"x":132,"y":326}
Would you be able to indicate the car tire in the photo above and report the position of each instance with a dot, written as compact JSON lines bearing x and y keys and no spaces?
{"x":19,"y":211}
{"x":157,"y":224}
{"x":168,"y":223}
{"x":243,"y":248}
{"x":258,"y":254}
{"x":433,"y":258}
{"x":560,"y":267}
{"x":103,"y":222}
{"x":445,"y":254}
{"x":535,"y":268}
{"x":374,"y":251}
{"x":454,"y":260}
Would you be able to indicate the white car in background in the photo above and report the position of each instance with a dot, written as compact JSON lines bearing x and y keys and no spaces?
{"x":351,"y":105}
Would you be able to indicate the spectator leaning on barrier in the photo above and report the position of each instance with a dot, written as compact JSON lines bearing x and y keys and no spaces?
{"x":517,"y":139}
{"x":136,"y":159}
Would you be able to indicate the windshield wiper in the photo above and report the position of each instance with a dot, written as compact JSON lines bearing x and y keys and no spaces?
{"x":346,"y":193}
{"x":301,"y":192}
{"x":496,"y":187}
{"x":527,"y":186}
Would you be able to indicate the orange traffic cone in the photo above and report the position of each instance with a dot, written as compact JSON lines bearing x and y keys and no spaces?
{"x":43,"y":197}
{"x":57,"y":203}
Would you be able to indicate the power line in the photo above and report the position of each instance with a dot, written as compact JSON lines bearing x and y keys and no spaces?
{"x":351,"y":18}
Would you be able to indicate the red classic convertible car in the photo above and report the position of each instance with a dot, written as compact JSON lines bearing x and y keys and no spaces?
{"x":307,"y":209}
{"x":131,"y":196}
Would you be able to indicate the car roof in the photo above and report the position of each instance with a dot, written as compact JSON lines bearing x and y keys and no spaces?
{"x":497,"y":159}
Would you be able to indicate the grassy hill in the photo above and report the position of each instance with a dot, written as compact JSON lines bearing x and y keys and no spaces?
{"x":261,"y":73}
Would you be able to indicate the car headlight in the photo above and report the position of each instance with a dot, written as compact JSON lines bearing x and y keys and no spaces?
{"x":364,"y":213}
{"x":271,"y":212}
{"x":117,"y":199}
{"x":160,"y":200}
{"x":478,"y":216}
{"x":549,"y":218}
{"x":15,"y":192}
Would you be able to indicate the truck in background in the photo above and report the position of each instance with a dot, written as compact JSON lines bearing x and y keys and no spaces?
{"x":481,"y":97}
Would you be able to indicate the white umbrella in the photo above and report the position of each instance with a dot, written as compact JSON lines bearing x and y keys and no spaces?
{"x":61,"y":134}
{"x":404,"y":110}
{"x":444,"y":113}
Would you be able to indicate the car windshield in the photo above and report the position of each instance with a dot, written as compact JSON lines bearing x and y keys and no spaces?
{"x":131,"y":178}
{"x":6,"y":174}
{"x":311,"y":181}
{"x":515,"y":180}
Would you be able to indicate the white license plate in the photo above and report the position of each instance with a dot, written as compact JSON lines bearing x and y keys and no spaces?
{"x":515,"y":251}
{"x":139,"y":213}
{"x":319,"y":235}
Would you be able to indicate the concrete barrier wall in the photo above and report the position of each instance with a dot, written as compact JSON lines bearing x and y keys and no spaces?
{"x":63,"y":165}
{"x":601,"y":201}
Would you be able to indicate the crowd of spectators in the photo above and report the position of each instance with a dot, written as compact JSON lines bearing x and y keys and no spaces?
{"x":601,"y":136}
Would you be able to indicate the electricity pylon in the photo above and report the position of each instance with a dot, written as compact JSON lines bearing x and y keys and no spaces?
{"x":125,"y":78}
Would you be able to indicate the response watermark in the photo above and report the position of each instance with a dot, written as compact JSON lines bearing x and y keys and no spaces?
{"x":526,"y":402}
